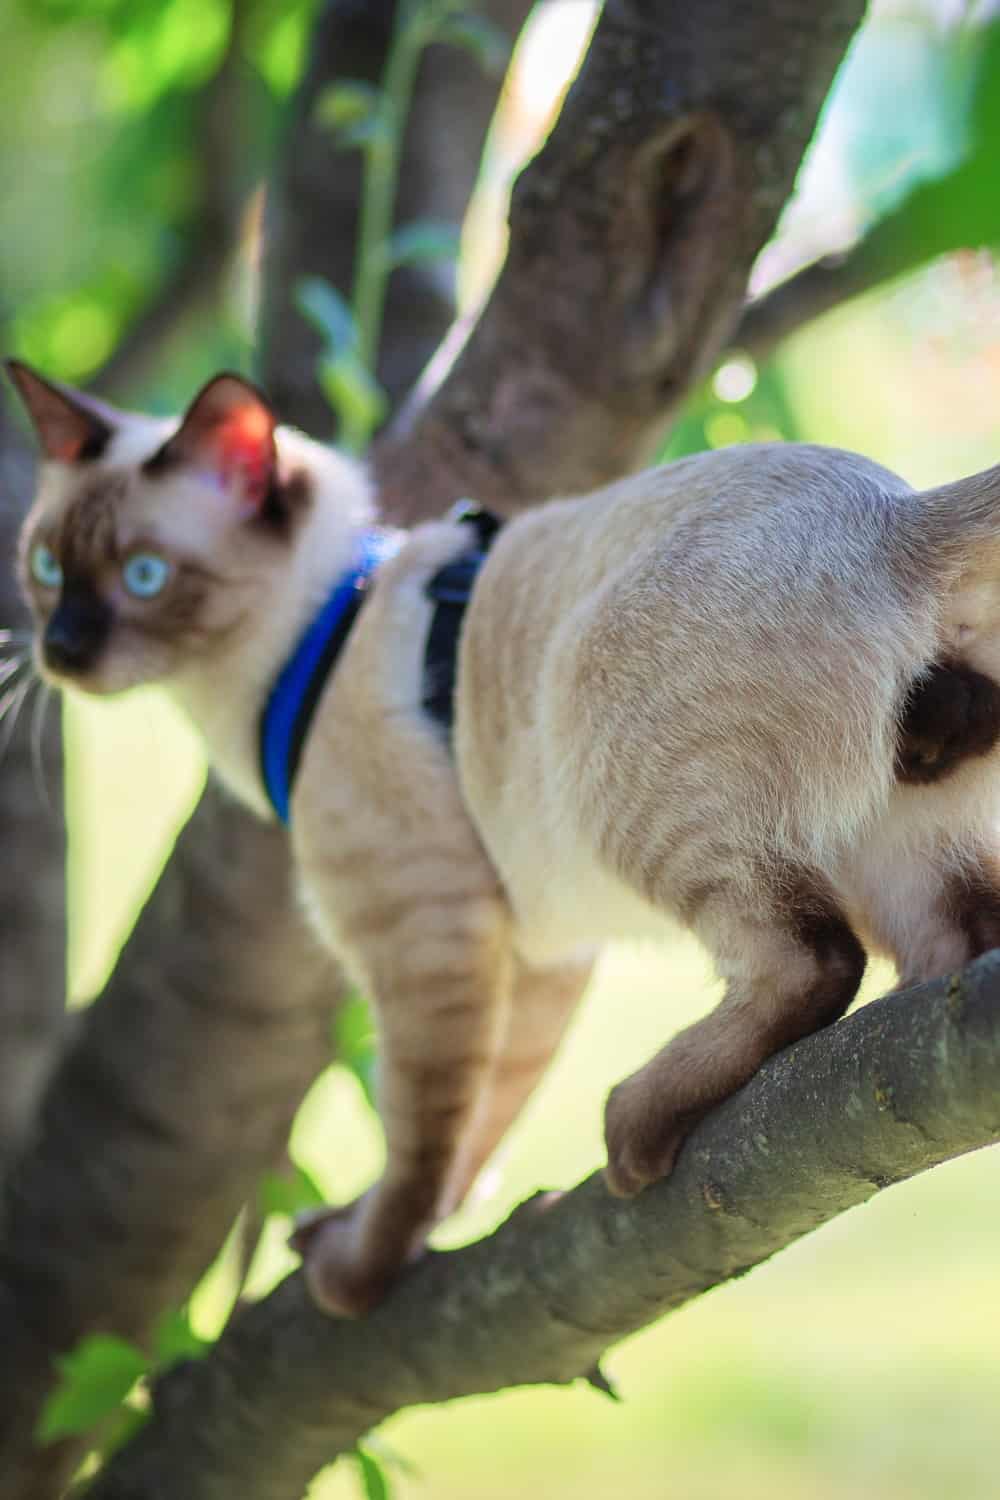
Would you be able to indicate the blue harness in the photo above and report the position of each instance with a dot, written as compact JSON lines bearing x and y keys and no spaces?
{"x":289,"y":710}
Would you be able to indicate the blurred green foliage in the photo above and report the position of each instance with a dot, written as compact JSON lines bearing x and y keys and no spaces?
{"x":905,"y":155}
{"x":94,"y":1382}
{"x":102,"y":1387}
{"x":104,"y":190}
{"x":373,"y":121}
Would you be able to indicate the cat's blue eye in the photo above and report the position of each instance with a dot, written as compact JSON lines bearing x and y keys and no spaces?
{"x":145,"y":574}
{"x":44,"y":567}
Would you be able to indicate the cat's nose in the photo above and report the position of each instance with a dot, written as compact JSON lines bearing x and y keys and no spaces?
{"x":75,"y":635}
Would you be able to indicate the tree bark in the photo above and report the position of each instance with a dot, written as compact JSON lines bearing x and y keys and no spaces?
{"x":178,"y":1092}
{"x":632,"y":236}
{"x":901,"y":1085}
{"x":631,"y":240}
{"x":32,"y":899}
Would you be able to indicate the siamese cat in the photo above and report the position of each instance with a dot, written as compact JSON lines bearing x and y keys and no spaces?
{"x":750,"y":693}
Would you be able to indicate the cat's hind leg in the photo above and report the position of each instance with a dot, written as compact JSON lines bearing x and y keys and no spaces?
{"x":791,"y":964}
{"x":939,"y":913}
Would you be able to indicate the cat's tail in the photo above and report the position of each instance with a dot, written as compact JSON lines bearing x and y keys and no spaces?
{"x":962,"y":515}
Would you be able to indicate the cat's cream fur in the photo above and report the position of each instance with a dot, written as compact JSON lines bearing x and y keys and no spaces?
{"x":677,"y":703}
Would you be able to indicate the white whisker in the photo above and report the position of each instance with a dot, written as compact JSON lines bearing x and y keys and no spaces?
{"x":10,"y":666}
{"x":39,"y":709}
{"x":10,"y":711}
{"x":9,"y":698}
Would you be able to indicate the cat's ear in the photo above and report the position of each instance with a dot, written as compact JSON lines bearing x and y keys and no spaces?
{"x":71,"y":427}
{"x":228,"y":430}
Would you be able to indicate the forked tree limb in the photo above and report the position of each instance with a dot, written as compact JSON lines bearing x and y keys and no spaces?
{"x":632,"y":236}
{"x":899,"y":1086}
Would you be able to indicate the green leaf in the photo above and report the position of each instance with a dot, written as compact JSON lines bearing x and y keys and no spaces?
{"x":353,"y":1028}
{"x":345,"y":103}
{"x":326,"y":310}
{"x":489,"y":45}
{"x":131,"y":1420}
{"x":389,"y":1457}
{"x":373,"y":130}
{"x":959,"y":209}
{"x":986,"y":102}
{"x":355,"y":396}
{"x":175,"y":1339}
{"x":354,"y":1042}
{"x":290,"y":1193}
{"x":373,"y":1480}
{"x":94,"y":1381}
{"x":422,"y":240}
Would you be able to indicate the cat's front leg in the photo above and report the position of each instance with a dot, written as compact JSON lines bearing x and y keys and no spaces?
{"x":440,"y":978}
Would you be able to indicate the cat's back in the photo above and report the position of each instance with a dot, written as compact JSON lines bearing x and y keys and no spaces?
{"x":700,"y":575}
{"x":715,"y":644}
{"x":755,"y":514}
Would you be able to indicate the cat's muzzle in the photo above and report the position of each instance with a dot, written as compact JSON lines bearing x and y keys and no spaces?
{"x":75,"y":635}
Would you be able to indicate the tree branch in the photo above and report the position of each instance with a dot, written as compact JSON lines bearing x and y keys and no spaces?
{"x":901,"y":1085}
{"x":816,"y":289}
{"x":932,"y":220}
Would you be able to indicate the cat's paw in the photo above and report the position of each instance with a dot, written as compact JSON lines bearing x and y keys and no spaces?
{"x":336,"y":1276}
{"x":352,"y":1255}
{"x":643,"y":1136}
{"x":538,"y":1203}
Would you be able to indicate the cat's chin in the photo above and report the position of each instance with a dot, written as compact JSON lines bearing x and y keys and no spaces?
{"x":95,"y":684}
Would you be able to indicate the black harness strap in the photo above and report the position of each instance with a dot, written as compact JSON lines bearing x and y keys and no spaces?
{"x":451,"y":588}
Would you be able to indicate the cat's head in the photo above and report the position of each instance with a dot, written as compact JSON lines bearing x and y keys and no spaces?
{"x":149,"y":541}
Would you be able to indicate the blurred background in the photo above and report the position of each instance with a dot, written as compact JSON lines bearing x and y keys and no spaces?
{"x":864,"y":1361}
